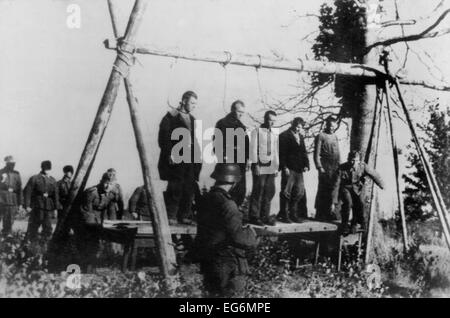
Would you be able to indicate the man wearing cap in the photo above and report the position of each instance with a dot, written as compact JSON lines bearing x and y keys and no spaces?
{"x":327,"y":160}
{"x":348,"y":187}
{"x":64,"y":189}
{"x":41,"y":201}
{"x":293,"y":163}
{"x":93,"y":208}
{"x":222,"y":241}
{"x":10,"y":194}
{"x":115,"y":208}
{"x":180,"y":169}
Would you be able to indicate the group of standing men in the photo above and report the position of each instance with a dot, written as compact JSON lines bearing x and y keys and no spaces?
{"x":44,"y":198}
{"x":285,"y":153}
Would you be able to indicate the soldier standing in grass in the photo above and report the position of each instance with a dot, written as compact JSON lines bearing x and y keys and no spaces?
{"x":222,"y":241}
{"x":41,"y":201}
{"x":10,"y":194}
{"x":64,"y":189}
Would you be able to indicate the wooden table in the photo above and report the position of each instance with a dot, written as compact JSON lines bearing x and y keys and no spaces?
{"x":136,"y":234}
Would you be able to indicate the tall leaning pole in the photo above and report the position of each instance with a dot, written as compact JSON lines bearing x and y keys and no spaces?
{"x":158,"y":214}
{"x":120,"y":69}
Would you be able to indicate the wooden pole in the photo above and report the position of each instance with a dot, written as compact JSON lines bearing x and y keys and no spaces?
{"x":159,"y":219}
{"x":377,"y":128}
{"x":396,"y":167}
{"x":120,"y":67}
{"x":434,"y":188}
{"x":259,"y":61}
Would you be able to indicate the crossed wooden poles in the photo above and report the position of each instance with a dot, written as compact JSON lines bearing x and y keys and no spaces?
{"x":125,"y":48}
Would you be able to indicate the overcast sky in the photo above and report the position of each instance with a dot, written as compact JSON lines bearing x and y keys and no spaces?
{"x":52,"y":77}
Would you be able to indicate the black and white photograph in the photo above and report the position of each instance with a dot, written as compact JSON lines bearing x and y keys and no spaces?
{"x":246,"y":151}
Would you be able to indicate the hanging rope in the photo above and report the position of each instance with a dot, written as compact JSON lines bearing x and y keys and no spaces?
{"x":263,"y":97}
{"x":225,"y":88}
{"x":171,"y":74}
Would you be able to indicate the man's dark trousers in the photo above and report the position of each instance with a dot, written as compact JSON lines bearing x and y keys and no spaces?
{"x":7,"y":213}
{"x":262,"y":194}
{"x":351,"y":201}
{"x":180,"y":193}
{"x":296,"y":205}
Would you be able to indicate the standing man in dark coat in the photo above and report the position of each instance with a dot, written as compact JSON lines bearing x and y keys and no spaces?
{"x":115,"y":208}
{"x":182,"y":168}
{"x":348,"y":187}
{"x":93,"y":208}
{"x":238,"y":143}
{"x":327,"y":159}
{"x":138,"y":206}
{"x":64,"y":189}
{"x":222,"y":241}
{"x":10,"y":194}
{"x":41,"y":201}
{"x":293,"y":163}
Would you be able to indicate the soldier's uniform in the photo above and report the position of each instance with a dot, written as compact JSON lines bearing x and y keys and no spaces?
{"x":138,"y":204}
{"x":93,"y":207}
{"x":10,"y":197}
{"x":41,"y":195}
{"x":326,"y":156}
{"x":115,"y":208}
{"x":222,"y":242}
{"x":63,"y":193}
{"x":348,"y":187}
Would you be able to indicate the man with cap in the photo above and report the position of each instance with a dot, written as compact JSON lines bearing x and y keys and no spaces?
{"x":93,"y":208}
{"x":327,"y":159}
{"x":222,"y":241}
{"x":348,"y":188}
{"x":115,"y":208}
{"x":180,"y":169}
{"x":41,"y":201}
{"x":64,"y":189}
{"x":293,"y":163}
{"x":10,"y":193}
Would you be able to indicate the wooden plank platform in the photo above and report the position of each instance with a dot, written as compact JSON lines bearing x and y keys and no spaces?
{"x":144,"y":228}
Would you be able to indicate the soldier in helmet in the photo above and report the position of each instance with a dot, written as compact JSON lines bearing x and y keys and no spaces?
{"x":94,"y":205}
{"x":41,"y":201}
{"x":222,"y":241}
{"x":64,"y":188}
{"x":10,"y":193}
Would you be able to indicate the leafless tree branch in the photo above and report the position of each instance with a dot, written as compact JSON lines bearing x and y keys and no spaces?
{"x":427,"y":33}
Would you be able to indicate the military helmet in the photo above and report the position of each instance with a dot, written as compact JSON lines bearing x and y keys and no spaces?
{"x":226,"y":172}
{"x":9,"y":159}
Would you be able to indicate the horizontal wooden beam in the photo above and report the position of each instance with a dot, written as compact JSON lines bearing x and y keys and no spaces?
{"x":308,"y":226}
{"x":259,"y":61}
